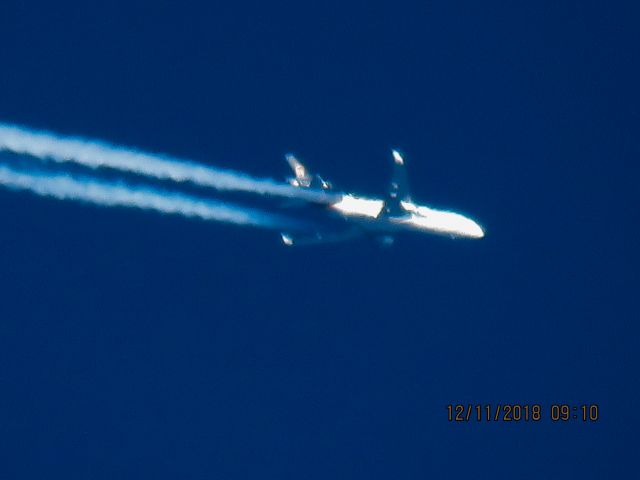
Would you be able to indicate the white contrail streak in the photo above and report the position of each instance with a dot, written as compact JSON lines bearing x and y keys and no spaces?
{"x":96,"y":154}
{"x":117,"y":194}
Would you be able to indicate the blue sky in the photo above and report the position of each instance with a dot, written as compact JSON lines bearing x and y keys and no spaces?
{"x":137,"y":345}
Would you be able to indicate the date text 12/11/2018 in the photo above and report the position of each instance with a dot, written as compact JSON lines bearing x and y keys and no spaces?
{"x":522,"y":412}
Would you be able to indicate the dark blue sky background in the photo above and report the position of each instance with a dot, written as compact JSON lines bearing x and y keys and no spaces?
{"x":134,"y":345}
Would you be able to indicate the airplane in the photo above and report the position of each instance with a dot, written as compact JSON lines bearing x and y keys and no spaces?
{"x":381,"y":218}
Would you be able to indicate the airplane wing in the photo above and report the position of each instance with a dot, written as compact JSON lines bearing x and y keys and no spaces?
{"x":319,"y":238}
{"x":399,"y":189}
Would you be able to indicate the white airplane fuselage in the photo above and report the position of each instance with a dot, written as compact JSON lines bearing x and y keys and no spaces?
{"x":381,"y":217}
{"x":370,"y":214}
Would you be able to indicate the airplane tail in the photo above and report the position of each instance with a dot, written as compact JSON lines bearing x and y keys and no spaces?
{"x":303,"y":178}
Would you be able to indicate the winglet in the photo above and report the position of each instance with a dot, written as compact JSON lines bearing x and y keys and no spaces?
{"x":286,"y":239}
{"x":397,"y":157}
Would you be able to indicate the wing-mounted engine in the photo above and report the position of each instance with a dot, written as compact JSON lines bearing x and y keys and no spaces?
{"x":303,"y":178}
{"x":399,"y":188}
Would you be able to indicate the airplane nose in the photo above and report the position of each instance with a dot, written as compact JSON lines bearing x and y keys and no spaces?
{"x":476,"y":230}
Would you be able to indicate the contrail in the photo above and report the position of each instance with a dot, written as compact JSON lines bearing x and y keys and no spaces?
{"x":96,"y":154}
{"x":66,"y":187}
